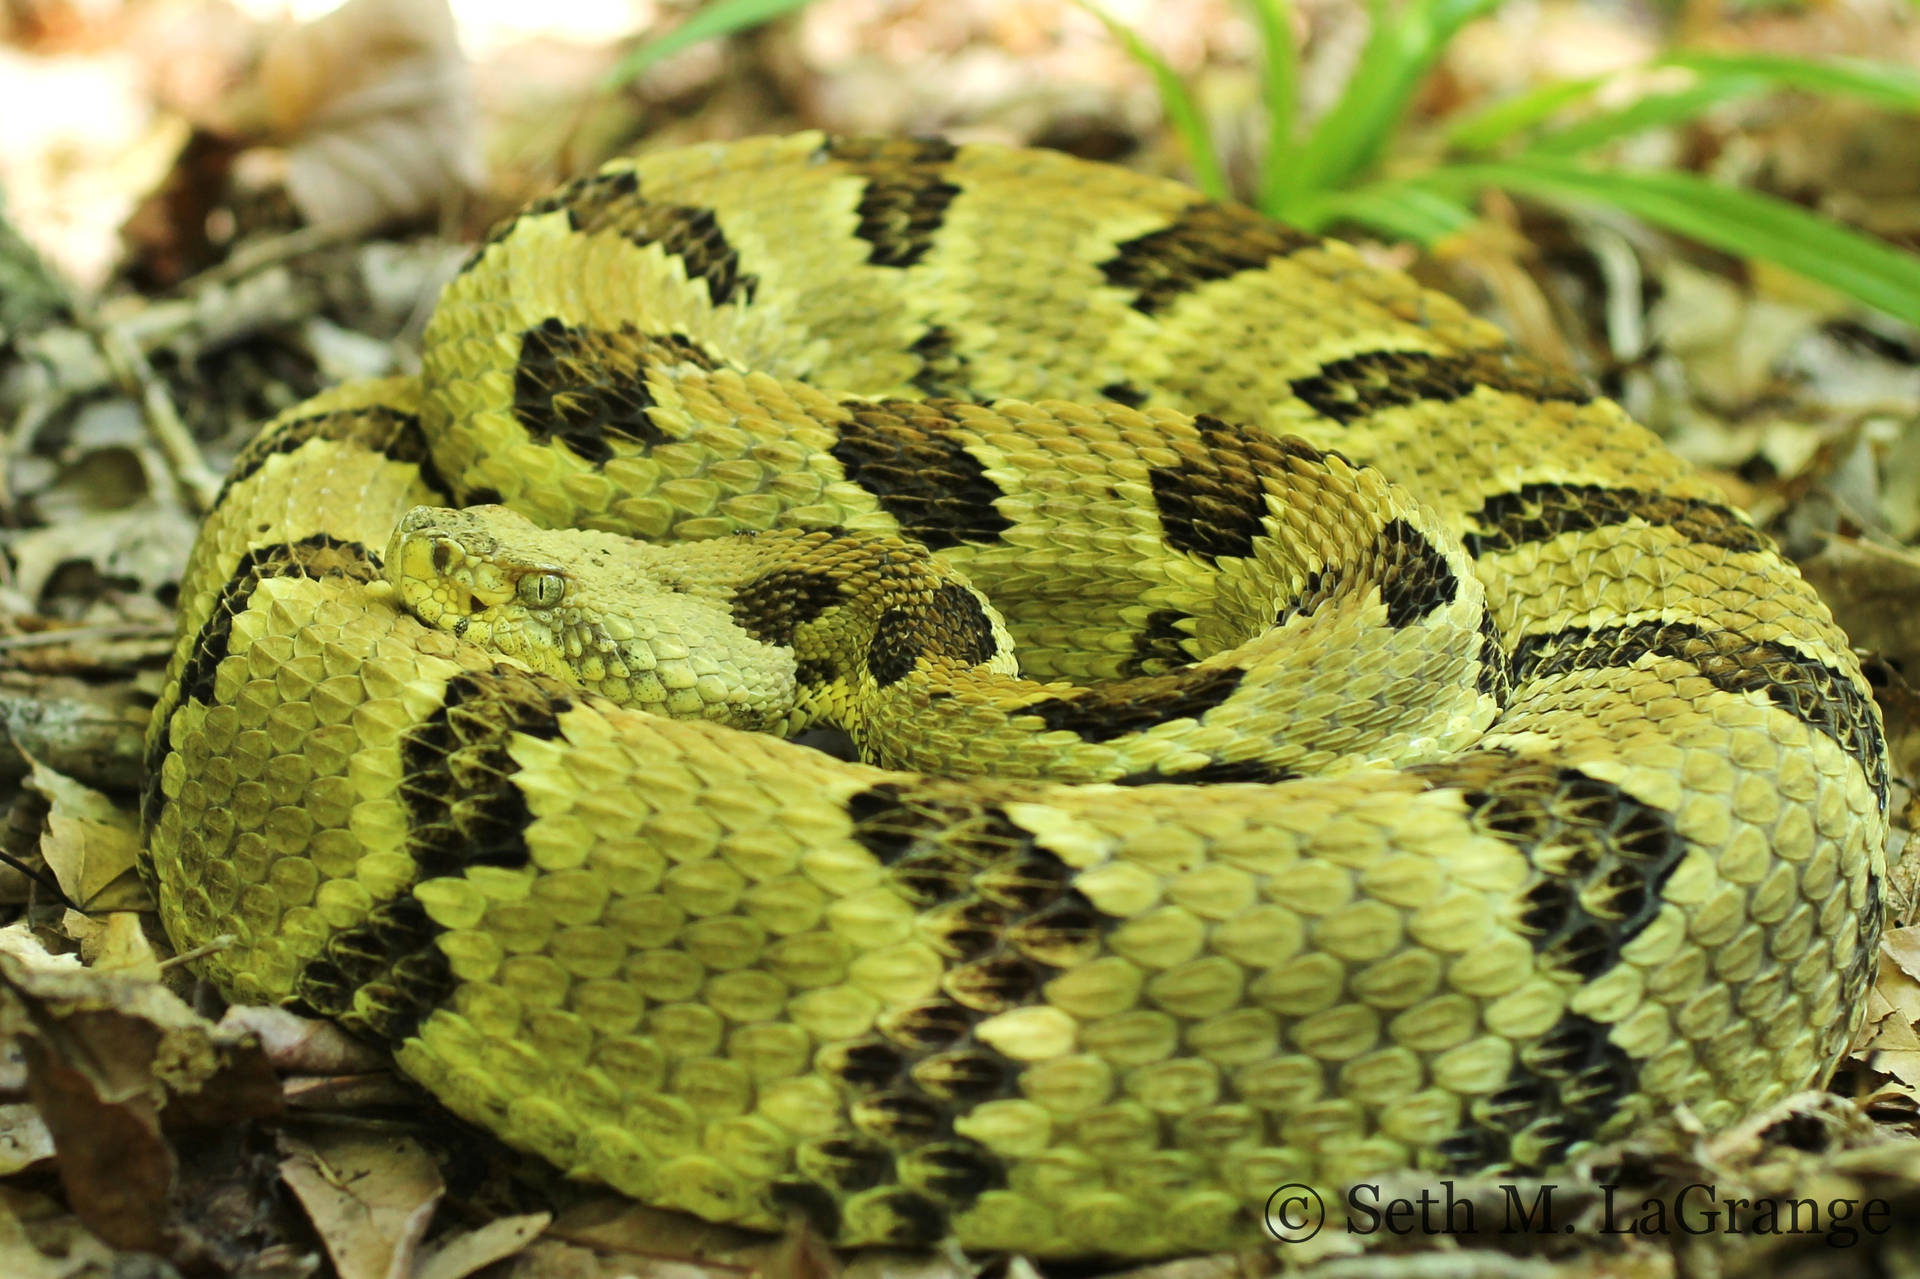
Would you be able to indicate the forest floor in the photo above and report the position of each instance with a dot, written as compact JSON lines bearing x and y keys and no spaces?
{"x":212,"y":211}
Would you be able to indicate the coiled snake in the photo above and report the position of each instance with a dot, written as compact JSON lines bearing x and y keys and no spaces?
{"x":1545,"y":797}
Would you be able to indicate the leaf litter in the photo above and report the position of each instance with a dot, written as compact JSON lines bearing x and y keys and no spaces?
{"x":260,"y":1144}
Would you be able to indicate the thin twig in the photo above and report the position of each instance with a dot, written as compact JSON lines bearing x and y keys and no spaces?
{"x":137,"y":379}
{"x":213,"y":947}
{"x":104,"y":631}
{"x":260,"y":254}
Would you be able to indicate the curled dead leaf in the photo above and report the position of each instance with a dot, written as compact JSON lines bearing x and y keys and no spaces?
{"x":370,"y":1198}
{"x":90,"y":844}
{"x":107,"y":1056}
{"x":373,"y":104}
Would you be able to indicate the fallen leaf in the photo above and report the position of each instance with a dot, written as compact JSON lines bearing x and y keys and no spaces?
{"x":374,"y":105}
{"x":17,"y":940}
{"x":370,"y":1199}
{"x":24,"y":1139}
{"x":464,"y":1253}
{"x":299,"y":1045}
{"x":1902,"y":946}
{"x":90,"y":845}
{"x":106,"y":1055}
{"x":114,"y":943}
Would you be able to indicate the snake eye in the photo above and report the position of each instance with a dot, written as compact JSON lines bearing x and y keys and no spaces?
{"x":541,"y":590}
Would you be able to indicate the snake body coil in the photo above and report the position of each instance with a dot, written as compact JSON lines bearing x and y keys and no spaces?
{"x":1549,"y":797}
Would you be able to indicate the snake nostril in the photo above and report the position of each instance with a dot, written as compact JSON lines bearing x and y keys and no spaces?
{"x":442,"y":555}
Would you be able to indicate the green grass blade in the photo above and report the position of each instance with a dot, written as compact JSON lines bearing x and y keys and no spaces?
{"x":1397,"y":210}
{"x":1655,"y":111}
{"x":1182,"y":112}
{"x":1400,"y":50}
{"x":1485,"y":129}
{"x":1729,"y":74}
{"x":1739,"y":222}
{"x":1885,"y":83}
{"x":1280,"y":83}
{"x":719,"y":18}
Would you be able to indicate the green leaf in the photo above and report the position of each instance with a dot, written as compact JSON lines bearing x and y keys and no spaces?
{"x":1182,"y":112}
{"x":1279,"y":81}
{"x":1400,"y":50}
{"x":1739,"y":222}
{"x":1487,"y":128}
{"x":1397,"y":210}
{"x":1723,"y":76}
{"x":1885,"y":83}
{"x":711,"y":21}
{"x":1655,"y":111}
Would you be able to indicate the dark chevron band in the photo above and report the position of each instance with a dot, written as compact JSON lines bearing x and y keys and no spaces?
{"x":375,"y":427}
{"x":1809,"y":690}
{"x":587,"y":388}
{"x":1106,"y":711}
{"x":772,"y":607}
{"x":1219,"y":773}
{"x":1159,"y":646}
{"x":1541,"y":512}
{"x":1600,"y":860}
{"x":1562,"y":1090}
{"x":1414,"y":577}
{"x":386,"y":975}
{"x":1358,"y":386}
{"x":1003,"y":913}
{"x":1206,"y":242}
{"x":904,"y":452}
{"x":951,"y":624}
{"x":382,"y":977}
{"x":1213,"y":501}
{"x":612,"y":202}
{"x":944,"y":371}
{"x":315,"y":557}
{"x":1600,"y":856}
{"x":906,"y":198}
{"x":460,"y":810}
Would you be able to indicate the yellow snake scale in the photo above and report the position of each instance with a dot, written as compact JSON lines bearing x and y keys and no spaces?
{"x":1621,"y":852}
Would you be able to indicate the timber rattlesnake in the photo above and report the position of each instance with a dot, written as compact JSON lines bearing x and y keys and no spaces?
{"x":1549,"y":796}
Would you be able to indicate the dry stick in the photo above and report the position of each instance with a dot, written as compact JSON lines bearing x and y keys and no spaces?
{"x":104,"y":631}
{"x":137,"y":379}
{"x":214,"y":947}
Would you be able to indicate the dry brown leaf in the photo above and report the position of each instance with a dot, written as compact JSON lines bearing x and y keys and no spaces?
{"x":90,"y":845}
{"x":18,"y":940}
{"x":19,"y":1259}
{"x":466,"y":1252}
{"x":299,"y":1045}
{"x":370,"y":1198}
{"x":1874,"y":592}
{"x":374,"y":106}
{"x":1888,"y":1041}
{"x":24,"y":1139}
{"x":660,"y":1244}
{"x":106,"y":502}
{"x":113,"y":943}
{"x":1902,"y":946}
{"x":550,"y":1258}
{"x":105,"y":1054}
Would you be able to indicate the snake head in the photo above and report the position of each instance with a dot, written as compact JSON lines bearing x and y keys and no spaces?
{"x":603,"y":612}
{"x":453,"y":567}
